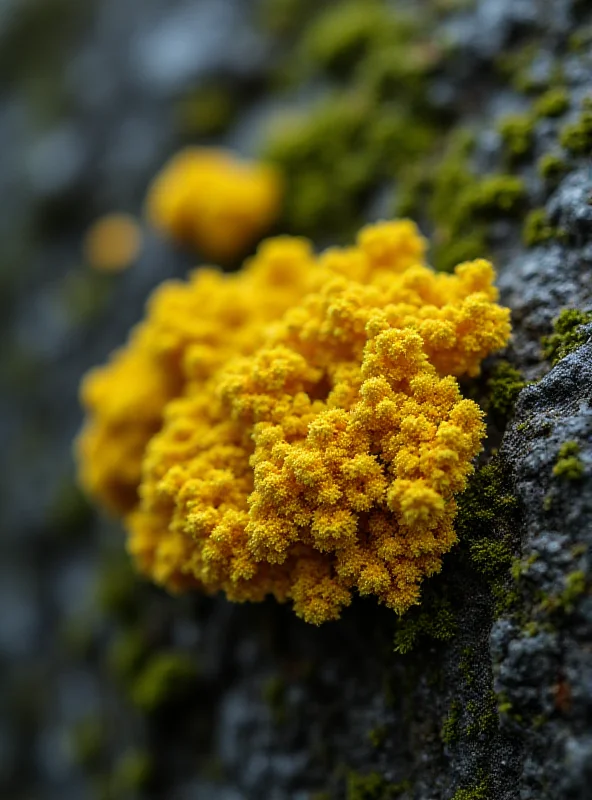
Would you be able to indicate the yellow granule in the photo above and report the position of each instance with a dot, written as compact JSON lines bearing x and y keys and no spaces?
{"x":208,"y":198}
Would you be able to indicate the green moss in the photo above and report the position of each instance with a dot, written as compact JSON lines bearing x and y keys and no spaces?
{"x":576,"y":137}
{"x":537,"y":229}
{"x":479,"y":791}
{"x":465,"y":665}
{"x":490,"y":556}
{"x":553,"y":103}
{"x":486,"y":510}
{"x":494,"y":195}
{"x":552,"y":167}
{"x":334,"y":154}
{"x":504,"y":705}
{"x":342,"y":35}
{"x":576,"y":586}
{"x":325,"y":184}
{"x":167,"y":678}
{"x":396,"y":139}
{"x":337,"y":152}
{"x":459,"y":204}
{"x":451,"y":179}
{"x":450,"y":731}
{"x":567,"y":335}
{"x":373,"y":787}
{"x":569,"y":465}
{"x":517,"y":132}
{"x":133,"y":772}
{"x":471,"y":203}
{"x":483,"y":714}
{"x":520,"y":567}
{"x":399,"y":72}
{"x":378,"y":735}
{"x":435,"y":620}
{"x":580,"y":39}
{"x":484,"y":501}
{"x":447,"y":253}
{"x":504,"y":386}
{"x":515,"y":66}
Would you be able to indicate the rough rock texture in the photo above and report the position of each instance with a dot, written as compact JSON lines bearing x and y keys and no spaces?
{"x":541,"y":658}
{"x":485,"y":691}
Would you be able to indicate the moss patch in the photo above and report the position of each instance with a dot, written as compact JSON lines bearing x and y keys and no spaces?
{"x":553,"y":103}
{"x":576,"y":137}
{"x":552,"y":167}
{"x":372,"y":787}
{"x":167,"y":678}
{"x":537,"y":229}
{"x":504,"y":386}
{"x":517,"y":132}
{"x":378,"y":121}
{"x":484,"y":501}
{"x":342,"y":35}
{"x":567,"y":334}
{"x":435,"y":620}
{"x":569,"y":465}
{"x":479,"y":791}
{"x":450,"y":731}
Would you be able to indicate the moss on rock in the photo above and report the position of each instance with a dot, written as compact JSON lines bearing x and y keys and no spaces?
{"x":166,"y":678}
{"x":569,"y":465}
{"x":504,"y":386}
{"x":567,"y":334}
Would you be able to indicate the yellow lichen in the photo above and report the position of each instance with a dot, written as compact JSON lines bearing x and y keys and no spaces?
{"x":311,"y":432}
{"x":208,"y":198}
{"x":112,"y":243}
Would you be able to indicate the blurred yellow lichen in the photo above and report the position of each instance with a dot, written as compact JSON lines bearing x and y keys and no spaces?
{"x":296,"y":429}
{"x":112,"y":243}
{"x":211,"y":200}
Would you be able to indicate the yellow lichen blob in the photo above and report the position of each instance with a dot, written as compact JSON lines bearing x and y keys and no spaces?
{"x":112,"y":243}
{"x":299,"y":430}
{"x":208,"y":198}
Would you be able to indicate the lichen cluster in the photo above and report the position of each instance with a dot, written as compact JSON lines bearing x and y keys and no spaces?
{"x":296,"y":429}
{"x":211,"y":200}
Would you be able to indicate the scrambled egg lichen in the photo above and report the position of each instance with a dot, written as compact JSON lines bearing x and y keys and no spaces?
{"x":297,"y":429}
{"x":215,"y":202}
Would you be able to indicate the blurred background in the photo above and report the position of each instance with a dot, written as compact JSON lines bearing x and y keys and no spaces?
{"x":94,"y":97}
